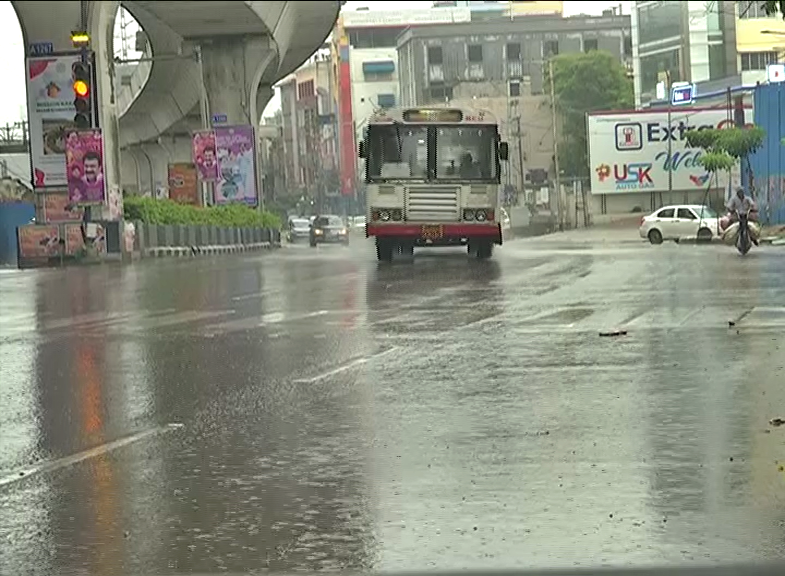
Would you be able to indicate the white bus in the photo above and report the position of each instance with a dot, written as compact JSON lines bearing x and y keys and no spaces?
{"x":432,"y":179}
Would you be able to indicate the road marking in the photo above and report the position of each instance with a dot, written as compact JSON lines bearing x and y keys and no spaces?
{"x":85,"y":455}
{"x":343,"y":368}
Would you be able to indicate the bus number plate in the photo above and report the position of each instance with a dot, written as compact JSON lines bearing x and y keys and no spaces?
{"x":432,"y":232}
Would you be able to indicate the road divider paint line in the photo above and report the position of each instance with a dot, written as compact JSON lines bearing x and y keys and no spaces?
{"x":345,"y":367}
{"x":67,"y":461}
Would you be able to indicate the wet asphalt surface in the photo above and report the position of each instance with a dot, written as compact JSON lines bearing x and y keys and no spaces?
{"x":311,"y":409}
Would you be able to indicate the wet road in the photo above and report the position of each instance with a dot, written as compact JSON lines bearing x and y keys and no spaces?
{"x":311,"y":410}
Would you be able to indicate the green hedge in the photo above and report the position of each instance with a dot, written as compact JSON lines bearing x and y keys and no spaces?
{"x":164,"y":212}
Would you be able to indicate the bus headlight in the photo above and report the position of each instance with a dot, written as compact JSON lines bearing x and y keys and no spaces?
{"x":483,"y":215}
{"x":387,"y":214}
{"x":468,"y":215}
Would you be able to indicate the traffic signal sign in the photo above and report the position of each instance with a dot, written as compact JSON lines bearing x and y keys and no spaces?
{"x":82,"y":76}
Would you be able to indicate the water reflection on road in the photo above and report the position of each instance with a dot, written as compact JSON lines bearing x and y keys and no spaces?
{"x":311,"y":409}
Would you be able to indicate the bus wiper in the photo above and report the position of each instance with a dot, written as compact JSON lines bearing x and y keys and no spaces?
{"x":398,"y":139}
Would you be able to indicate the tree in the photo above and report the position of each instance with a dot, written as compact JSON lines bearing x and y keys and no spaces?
{"x":590,"y":82}
{"x":773,"y":7}
{"x":724,"y":147}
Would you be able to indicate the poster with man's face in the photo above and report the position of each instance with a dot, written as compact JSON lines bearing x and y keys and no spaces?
{"x":85,"y":167}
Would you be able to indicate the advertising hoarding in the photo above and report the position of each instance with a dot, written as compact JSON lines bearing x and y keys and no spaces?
{"x":50,"y":109}
{"x":236,"y":153}
{"x":628,"y":151}
{"x":183,"y":183}
{"x":84,"y":152}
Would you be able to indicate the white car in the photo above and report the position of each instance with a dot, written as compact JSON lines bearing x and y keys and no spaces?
{"x":680,"y":221}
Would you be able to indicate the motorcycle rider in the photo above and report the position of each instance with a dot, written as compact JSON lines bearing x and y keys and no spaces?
{"x":740,"y":203}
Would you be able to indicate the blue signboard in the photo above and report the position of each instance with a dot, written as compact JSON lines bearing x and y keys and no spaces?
{"x":220,"y":119}
{"x":682,"y":93}
{"x":41,"y":48}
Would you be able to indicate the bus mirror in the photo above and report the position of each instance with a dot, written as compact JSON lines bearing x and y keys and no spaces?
{"x":504,"y":151}
{"x":362,"y":150}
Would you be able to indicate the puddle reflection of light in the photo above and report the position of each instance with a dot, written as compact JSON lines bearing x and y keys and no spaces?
{"x":101,"y":490}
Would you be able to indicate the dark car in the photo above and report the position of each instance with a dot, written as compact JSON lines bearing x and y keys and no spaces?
{"x":328,"y":229}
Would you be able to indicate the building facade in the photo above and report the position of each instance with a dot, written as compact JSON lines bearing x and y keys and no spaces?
{"x":500,"y":67}
{"x":760,"y":40}
{"x":681,"y":41}
{"x":309,"y":134}
{"x":365,"y":73}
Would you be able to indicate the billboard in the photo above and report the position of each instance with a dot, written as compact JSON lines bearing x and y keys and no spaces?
{"x":50,"y":109}
{"x":183,"y":184}
{"x":236,"y":153}
{"x":203,"y":155}
{"x":58,"y":208}
{"x":84,"y":151}
{"x":628,"y":151}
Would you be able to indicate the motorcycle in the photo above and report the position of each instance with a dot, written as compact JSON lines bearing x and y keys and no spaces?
{"x":743,"y":240}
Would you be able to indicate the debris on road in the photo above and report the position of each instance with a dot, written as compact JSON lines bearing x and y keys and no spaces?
{"x":613,"y":333}
{"x":776,"y":422}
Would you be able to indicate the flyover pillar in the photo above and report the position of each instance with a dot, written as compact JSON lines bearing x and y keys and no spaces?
{"x":232,"y":68}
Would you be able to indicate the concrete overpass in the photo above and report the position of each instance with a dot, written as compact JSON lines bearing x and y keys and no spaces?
{"x":205,"y":57}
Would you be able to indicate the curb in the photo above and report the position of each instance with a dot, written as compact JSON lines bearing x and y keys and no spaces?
{"x":694,"y":240}
{"x":193,"y":251}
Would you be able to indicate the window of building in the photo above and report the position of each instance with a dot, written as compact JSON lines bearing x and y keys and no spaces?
{"x":441,"y":93}
{"x":751,"y":9}
{"x":550,"y":48}
{"x":305,"y":89}
{"x":628,"y":46}
{"x":590,"y":44}
{"x":386,"y":100}
{"x":515,"y":88}
{"x":474,"y":53}
{"x":514,"y":51}
{"x":435,"y":55}
{"x":660,"y":20}
{"x":718,"y":62}
{"x":757,"y":60}
{"x":375,"y":37}
{"x":378,"y":70}
{"x":654,"y":65}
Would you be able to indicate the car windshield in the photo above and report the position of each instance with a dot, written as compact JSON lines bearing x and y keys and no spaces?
{"x":328,"y":221}
{"x":300,"y":223}
{"x":705,"y":212}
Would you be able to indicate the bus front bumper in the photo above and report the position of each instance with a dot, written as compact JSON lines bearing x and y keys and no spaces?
{"x":437,"y":234}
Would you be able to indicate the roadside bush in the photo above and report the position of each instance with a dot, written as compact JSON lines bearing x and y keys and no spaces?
{"x":166,"y":212}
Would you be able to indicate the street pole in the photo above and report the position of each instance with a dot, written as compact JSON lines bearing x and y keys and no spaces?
{"x":670,"y":156}
{"x":521,"y":188}
{"x":670,"y":142}
{"x":555,"y":145}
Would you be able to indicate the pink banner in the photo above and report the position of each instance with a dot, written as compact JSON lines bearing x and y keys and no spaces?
{"x":235,"y":148}
{"x":84,"y":159}
{"x":204,"y":156}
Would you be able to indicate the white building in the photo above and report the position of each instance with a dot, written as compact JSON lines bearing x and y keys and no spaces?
{"x":373,"y":59}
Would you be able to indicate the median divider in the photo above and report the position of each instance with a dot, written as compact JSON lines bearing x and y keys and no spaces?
{"x":186,"y":241}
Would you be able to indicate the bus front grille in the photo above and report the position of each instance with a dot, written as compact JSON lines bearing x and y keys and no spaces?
{"x":432,"y":203}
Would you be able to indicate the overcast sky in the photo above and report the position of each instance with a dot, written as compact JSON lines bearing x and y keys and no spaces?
{"x":13,"y":96}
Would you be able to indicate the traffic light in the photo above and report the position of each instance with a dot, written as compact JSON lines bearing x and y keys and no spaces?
{"x":82,"y":76}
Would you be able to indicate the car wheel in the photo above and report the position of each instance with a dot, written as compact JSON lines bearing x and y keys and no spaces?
{"x":655,"y":237}
{"x":704,"y":235}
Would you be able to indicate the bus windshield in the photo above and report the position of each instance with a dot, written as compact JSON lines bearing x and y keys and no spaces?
{"x":397,"y":152}
{"x":462,"y":152}
{"x":466,"y":153}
